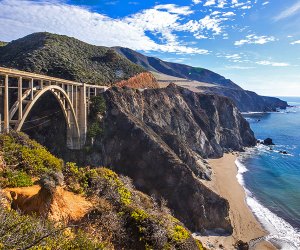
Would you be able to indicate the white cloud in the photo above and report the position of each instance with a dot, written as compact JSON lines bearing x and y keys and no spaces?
{"x":274,"y":64}
{"x":233,"y":56}
{"x":174,"y":9}
{"x":228,"y":14}
{"x":295,"y":42}
{"x":291,"y":11}
{"x":239,"y":67}
{"x":210,"y":2}
{"x":254,"y":39}
{"x":265,"y":3}
{"x":20,"y":18}
{"x":202,"y":27}
{"x":196,"y":1}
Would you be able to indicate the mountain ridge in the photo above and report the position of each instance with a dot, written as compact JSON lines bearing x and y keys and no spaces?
{"x":175,"y":69}
{"x":246,"y":101}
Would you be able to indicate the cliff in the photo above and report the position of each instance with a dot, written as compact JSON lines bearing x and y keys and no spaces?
{"x":158,"y":138}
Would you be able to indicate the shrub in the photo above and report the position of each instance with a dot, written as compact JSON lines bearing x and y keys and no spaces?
{"x":76,"y":178}
{"x":24,"y":154}
{"x":27,"y":232}
{"x":97,"y":108}
{"x":179,"y":234}
{"x":94,"y":130}
{"x":15,"y":179}
{"x":139,"y":215}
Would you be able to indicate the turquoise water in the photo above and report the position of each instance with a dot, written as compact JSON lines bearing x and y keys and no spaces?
{"x":271,"y":179}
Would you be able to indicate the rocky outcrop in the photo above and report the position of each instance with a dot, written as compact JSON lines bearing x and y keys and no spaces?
{"x":158,"y":137}
{"x":140,"y":81}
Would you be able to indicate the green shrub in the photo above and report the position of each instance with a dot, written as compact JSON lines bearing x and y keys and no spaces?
{"x":179,"y":234}
{"x":15,"y":179}
{"x":98,"y":105}
{"x":76,"y":178}
{"x":94,"y":130}
{"x":27,"y":155}
{"x":139,"y":215}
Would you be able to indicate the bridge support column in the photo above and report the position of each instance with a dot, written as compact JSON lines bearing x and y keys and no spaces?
{"x":82,"y":114}
{"x":20,"y":94}
{"x":6,"y":105}
{"x":75,"y":141}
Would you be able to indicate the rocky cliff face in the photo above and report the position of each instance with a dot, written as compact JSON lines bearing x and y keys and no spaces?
{"x":142,"y":80}
{"x":158,"y":138}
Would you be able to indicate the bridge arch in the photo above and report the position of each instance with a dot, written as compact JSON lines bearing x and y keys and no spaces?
{"x":65,"y":104}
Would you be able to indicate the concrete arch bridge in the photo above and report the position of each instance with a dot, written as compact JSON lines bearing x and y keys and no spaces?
{"x":73,"y":98}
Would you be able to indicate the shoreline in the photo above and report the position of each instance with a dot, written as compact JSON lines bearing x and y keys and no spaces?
{"x":246,"y":227}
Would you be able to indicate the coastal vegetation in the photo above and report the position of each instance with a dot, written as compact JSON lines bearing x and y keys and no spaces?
{"x":118,"y":216}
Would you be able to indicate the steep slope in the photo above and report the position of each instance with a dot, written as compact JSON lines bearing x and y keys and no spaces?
{"x":246,"y":101}
{"x":94,"y":208}
{"x":175,"y":69}
{"x":67,"y":58}
{"x":158,"y":138}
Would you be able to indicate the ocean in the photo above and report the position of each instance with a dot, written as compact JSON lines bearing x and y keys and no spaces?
{"x":272,"y":179}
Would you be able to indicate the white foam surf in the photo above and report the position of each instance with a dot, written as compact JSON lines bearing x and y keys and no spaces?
{"x":281,"y":233}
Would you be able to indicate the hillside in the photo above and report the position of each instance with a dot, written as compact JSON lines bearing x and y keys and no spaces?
{"x":48,"y":204}
{"x":2,"y":43}
{"x":245,"y":100}
{"x":175,"y":69}
{"x":67,"y":58}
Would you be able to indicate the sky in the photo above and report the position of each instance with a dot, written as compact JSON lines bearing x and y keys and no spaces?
{"x":255,"y":43}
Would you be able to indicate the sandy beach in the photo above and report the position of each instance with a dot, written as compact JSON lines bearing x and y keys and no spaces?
{"x":246,"y":227}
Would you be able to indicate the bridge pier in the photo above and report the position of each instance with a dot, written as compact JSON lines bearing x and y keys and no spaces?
{"x":6,"y":106}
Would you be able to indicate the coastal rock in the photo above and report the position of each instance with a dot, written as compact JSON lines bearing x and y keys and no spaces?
{"x":158,"y":138}
{"x":268,"y":142}
{"x":283,"y":152}
{"x":240,"y":245}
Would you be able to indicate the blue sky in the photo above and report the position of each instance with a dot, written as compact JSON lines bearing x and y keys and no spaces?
{"x":256,"y":43}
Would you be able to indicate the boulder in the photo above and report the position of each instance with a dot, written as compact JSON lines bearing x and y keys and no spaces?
{"x":268,"y":142}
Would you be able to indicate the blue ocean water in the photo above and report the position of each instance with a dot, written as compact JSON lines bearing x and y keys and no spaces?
{"x":272,"y":179}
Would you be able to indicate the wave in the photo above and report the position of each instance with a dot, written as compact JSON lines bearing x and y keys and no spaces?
{"x":281,"y":233}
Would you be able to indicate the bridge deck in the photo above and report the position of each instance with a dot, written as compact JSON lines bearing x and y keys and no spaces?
{"x":28,"y":75}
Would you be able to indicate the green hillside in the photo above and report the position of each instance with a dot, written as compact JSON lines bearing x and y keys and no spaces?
{"x":67,"y":58}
